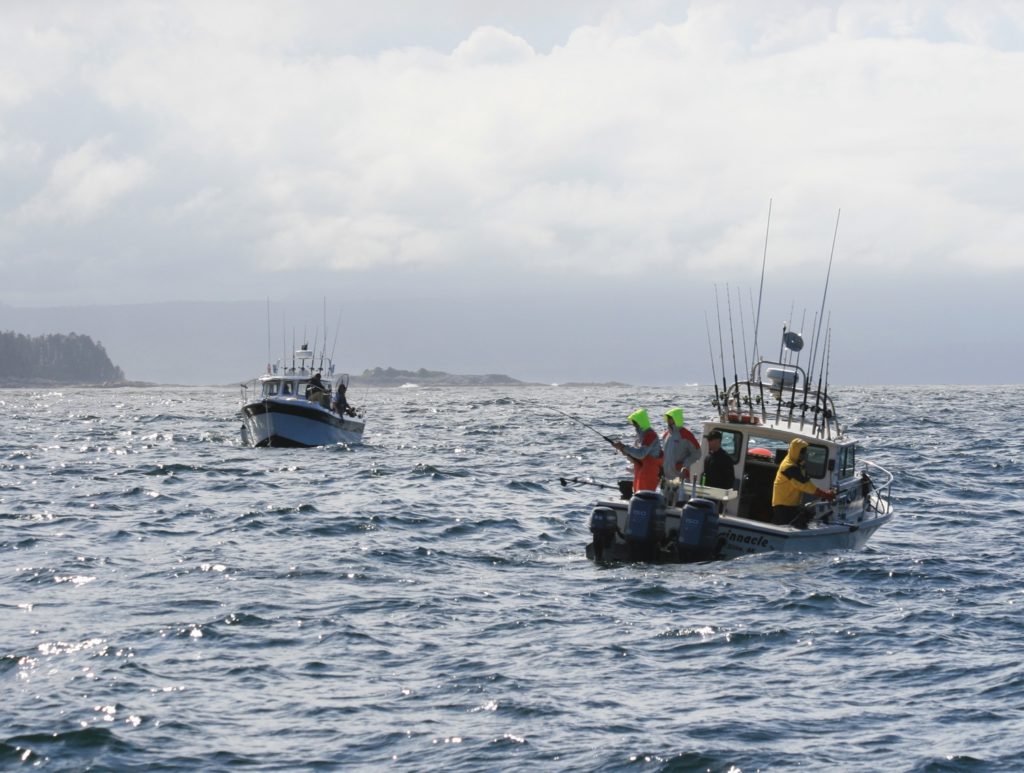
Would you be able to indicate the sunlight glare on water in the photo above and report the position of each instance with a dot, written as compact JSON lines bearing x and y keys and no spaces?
{"x":172,"y":599}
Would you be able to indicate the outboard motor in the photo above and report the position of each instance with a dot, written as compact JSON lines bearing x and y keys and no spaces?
{"x":604,"y":525}
{"x":645,"y":524}
{"x":698,"y":530}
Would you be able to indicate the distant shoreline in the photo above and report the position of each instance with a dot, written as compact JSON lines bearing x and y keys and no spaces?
{"x":356,"y":381}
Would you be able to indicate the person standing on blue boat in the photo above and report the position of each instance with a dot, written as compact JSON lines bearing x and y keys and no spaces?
{"x":341,"y":400}
{"x":646,"y":455}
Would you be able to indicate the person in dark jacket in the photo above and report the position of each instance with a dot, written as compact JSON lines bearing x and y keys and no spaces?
{"x":718,"y":471}
{"x":314,"y":387}
{"x":341,"y":400}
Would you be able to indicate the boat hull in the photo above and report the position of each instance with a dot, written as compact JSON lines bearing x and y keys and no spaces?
{"x":736,"y":537}
{"x":296,"y":423}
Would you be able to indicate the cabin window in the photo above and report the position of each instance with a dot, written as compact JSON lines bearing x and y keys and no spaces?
{"x":766,"y":449}
{"x":286,"y":388}
{"x":731,"y":444}
{"x":772,"y":450}
{"x":816,"y":461}
{"x":270,"y":388}
{"x":847,"y":462}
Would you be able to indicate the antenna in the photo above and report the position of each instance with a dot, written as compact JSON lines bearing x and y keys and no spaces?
{"x":268,"y":334}
{"x":760,"y":292}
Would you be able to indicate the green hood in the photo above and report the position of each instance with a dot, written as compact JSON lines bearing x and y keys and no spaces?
{"x":676,"y":414}
{"x":641,"y":418}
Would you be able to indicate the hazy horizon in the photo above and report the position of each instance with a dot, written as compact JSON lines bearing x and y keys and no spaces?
{"x":549,"y":192}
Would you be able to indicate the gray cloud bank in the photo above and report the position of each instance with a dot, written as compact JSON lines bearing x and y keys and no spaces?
{"x":474,"y":154}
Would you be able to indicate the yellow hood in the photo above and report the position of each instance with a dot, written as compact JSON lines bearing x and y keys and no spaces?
{"x":796,"y":445}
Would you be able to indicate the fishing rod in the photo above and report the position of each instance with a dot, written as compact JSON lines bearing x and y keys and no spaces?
{"x":824,"y":294}
{"x":792,"y":396}
{"x":760,"y":292}
{"x":828,"y":363}
{"x":721,"y":349}
{"x":755,"y":359}
{"x":817,"y":399}
{"x":582,"y":423}
{"x":583,"y":482}
{"x":732,"y":345}
{"x":711,"y":355}
{"x":323,"y":351}
{"x":808,"y":377}
{"x":782,"y":386}
{"x":743,"y":332}
{"x":337,"y":329}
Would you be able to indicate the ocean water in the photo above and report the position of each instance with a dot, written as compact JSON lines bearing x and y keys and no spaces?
{"x":171,"y":600}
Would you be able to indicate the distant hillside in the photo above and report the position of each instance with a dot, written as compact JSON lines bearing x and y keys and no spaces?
{"x":424,"y":377}
{"x":54,"y":359}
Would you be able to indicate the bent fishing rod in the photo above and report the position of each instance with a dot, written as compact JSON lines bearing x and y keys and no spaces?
{"x":613,"y":441}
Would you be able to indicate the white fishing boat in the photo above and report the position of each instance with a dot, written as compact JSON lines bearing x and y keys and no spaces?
{"x":776,"y":418}
{"x":758,"y":419}
{"x":298,"y":406}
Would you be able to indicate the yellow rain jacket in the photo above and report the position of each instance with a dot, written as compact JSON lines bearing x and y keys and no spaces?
{"x":791,"y":480}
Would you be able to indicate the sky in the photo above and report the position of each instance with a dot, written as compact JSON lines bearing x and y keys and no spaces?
{"x":558,"y":191}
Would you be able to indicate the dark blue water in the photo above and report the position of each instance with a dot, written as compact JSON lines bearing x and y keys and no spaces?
{"x":172,"y":600}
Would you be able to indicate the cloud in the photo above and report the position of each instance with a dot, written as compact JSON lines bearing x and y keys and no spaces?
{"x":81,"y":185}
{"x":640,"y":144}
{"x":489,"y":45}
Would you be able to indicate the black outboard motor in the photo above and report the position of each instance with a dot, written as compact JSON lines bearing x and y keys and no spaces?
{"x":604,"y":525}
{"x":698,"y":531}
{"x":645,"y":525}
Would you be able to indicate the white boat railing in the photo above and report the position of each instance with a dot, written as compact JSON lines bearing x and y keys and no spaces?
{"x":881,"y":502}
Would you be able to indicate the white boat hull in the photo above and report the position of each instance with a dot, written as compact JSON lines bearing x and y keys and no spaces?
{"x":740,"y":536}
{"x":296,"y":423}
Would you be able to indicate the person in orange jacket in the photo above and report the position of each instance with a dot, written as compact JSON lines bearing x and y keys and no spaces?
{"x":646,"y":455}
{"x":791,"y":481}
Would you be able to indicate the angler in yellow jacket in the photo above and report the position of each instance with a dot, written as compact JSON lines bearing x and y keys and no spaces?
{"x":791,"y":481}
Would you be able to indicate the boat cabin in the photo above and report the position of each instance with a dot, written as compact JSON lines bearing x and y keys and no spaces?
{"x":757,"y":451}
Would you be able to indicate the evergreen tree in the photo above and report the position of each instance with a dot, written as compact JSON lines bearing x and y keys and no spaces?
{"x":57,"y":358}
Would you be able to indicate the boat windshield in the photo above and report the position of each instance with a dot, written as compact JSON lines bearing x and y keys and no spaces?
{"x":772,"y":450}
{"x":847,"y":461}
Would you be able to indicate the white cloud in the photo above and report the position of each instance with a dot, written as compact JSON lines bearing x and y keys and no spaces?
{"x":489,"y":45}
{"x":641,"y":143}
{"x":81,"y":185}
